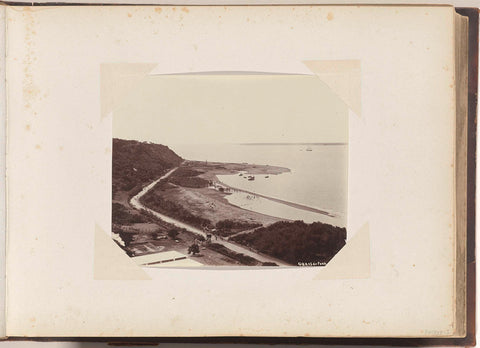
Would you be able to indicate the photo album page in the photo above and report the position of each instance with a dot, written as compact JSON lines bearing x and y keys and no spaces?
{"x":231,"y":171}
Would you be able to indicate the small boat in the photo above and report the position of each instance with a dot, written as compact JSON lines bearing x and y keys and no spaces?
{"x":308,"y":149}
{"x":266,"y":177}
{"x":251,"y":178}
{"x":240,"y":174}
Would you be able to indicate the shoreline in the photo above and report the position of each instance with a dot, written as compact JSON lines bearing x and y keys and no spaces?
{"x":211,"y":170}
{"x":235,"y":247}
{"x":278,"y":200}
{"x":213,"y":202}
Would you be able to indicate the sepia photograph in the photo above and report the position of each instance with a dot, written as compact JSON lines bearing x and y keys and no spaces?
{"x":230,"y":169}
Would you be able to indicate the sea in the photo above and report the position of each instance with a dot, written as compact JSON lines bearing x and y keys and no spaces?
{"x":317,"y":178}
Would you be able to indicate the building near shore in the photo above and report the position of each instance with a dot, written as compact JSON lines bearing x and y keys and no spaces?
{"x":166,"y":259}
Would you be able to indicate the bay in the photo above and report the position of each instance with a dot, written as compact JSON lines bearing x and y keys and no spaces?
{"x":317,"y":177}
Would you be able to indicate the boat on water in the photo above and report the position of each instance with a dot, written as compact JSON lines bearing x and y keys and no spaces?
{"x":266,"y":177}
{"x":309,"y":149}
{"x":251,"y":178}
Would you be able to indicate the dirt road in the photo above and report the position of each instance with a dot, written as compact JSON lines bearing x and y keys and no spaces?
{"x":135,"y":202}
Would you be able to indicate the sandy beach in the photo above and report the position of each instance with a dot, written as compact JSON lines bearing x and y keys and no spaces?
{"x":210,"y":202}
{"x":219,"y":201}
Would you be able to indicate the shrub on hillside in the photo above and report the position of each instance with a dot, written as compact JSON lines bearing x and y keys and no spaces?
{"x":122,"y":216}
{"x":296,"y":241}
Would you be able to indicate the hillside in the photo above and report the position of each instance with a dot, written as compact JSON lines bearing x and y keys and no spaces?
{"x":296,"y":242}
{"x":134,"y":163}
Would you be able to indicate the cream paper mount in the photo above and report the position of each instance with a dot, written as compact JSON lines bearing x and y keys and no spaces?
{"x":343,"y":77}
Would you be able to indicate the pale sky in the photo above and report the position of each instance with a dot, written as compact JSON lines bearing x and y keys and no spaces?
{"x":226,"y":108}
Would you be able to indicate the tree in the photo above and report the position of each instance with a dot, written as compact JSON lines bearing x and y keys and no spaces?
{"x":173,"y":233}
{"x":269,"y":264}
{"x":193,"y":249}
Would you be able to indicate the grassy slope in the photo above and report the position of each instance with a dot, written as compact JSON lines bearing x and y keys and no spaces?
{"x":296,"y":241}
{"x":135,"y":163}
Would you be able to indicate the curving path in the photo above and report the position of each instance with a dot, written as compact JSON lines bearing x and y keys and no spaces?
{"x":135,"y":202}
